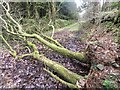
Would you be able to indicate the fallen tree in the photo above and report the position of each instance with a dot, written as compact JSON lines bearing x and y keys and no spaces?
{"x":70,"y":79}
{"x":63,"y":51}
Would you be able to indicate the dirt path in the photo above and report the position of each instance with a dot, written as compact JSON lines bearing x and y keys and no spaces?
{"x":72,"y":27}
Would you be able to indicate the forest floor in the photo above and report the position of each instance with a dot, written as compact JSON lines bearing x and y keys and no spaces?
{"x":29,"y":73}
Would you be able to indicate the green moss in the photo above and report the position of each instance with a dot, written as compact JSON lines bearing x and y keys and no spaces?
{"x":62,"y":81}
{"x":109,"y":85}
{"x":63,"y":51}
{"x":62,"y":71}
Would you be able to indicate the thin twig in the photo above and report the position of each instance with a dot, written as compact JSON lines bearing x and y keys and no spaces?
{"x":13,"y":52}
{"x":53,"y":28}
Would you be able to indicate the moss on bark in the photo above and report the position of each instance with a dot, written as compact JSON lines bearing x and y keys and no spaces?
{"x":80,"y":56}
{"x":69,"y":76}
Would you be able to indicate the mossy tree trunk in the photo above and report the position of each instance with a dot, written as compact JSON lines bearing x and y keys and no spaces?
{"x":80,"y":56}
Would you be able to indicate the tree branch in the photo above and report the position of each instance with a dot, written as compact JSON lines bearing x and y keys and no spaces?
{"x":13,"y":52}
{"x":62,"y":81}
